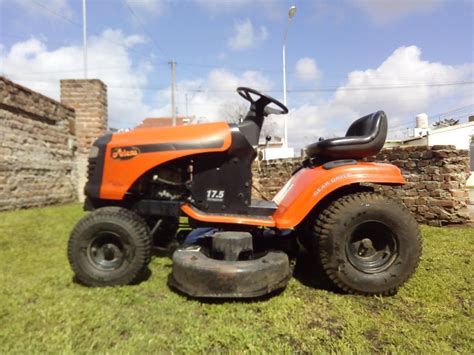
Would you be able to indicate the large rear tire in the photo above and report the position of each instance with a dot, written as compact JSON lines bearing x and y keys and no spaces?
{"x":367,"y":243}
{"x":108,"y":247}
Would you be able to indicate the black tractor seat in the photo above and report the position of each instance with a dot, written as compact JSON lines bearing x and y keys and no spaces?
{"x":365,"y":137}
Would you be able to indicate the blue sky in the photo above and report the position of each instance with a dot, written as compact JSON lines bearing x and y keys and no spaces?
{"x":345,"y":58}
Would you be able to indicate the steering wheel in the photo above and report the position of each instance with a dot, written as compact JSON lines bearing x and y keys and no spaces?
{"x":263,"y":101}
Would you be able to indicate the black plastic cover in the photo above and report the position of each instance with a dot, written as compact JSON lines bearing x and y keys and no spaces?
{"x":96,"y":168}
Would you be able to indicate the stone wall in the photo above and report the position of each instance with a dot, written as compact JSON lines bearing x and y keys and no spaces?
{"x":436,"y":181}
{"x":36,"y":149}
{"x":89,"y":100}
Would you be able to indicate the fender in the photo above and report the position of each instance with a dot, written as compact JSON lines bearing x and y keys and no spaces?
{"x":306,"y":189}
{"x":310,"y":185}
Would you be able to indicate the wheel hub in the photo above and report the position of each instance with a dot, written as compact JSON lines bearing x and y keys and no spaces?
{"x":372,"y":247}
{"x":365,"y":247}
{"x":106,"y":251}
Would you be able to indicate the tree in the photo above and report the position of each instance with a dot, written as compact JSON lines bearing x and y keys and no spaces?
{"x":233,"y":112}
{"x":269,"y":127}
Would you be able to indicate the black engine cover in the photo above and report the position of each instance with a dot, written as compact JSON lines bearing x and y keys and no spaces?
{"x":222,"y":182}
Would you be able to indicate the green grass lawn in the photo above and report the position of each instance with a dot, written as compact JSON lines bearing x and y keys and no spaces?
{"x":43,"y":310}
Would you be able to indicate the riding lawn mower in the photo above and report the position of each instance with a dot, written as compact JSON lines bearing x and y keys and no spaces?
{"x":141,"y":182}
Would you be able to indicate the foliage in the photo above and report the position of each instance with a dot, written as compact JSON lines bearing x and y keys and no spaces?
{"x":233,"y":112}
{"x":43,"y":310}
{"x":445,"y":123}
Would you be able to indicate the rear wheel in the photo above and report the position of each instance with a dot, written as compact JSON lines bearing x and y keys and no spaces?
{"x":110,"y":246}
{"x":367,"y":243}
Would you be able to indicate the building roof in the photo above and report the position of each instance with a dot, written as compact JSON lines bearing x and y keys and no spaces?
{"x":450,"y":128}
{"x":410,"y":140}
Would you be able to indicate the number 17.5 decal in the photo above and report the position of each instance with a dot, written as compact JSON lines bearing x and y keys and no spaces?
{"x":215,"y":195}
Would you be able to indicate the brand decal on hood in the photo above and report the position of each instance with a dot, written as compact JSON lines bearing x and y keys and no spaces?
{"x":125,"y":153}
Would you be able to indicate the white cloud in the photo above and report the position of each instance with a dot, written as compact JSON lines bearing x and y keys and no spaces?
{"x":245,"y":36}
{"x":307,"y":70}
{"x":385,"y":11}
{"x":400,"y":86}
{"x":404,"y":67}
{"x":207,"y":96}
{"x":32,"y":64}
{"x":403,"y":85}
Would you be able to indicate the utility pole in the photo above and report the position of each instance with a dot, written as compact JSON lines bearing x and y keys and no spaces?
{"x":186,"y":99}
{"x":84,"y":36}
{"x":173,"y":91}
{"x":291,"y":14}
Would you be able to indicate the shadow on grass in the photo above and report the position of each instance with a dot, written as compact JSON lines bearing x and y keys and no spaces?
{"x":306,"y":271}
{"x":142,"y":277}
{"x":225,"y":300}
{"x":311,"y":274}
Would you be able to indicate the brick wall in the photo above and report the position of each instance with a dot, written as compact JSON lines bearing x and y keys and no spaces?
{"x":36,"y":155}
{"x":89,"y":100}
{"x":436,"y":181}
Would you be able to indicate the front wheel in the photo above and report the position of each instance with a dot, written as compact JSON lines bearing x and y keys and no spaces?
{"x":367,"y":243}
{"x":109,"y":246}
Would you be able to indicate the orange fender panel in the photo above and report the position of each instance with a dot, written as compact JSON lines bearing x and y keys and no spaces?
{"x":131,"y":154}
{"x":309,"y":186}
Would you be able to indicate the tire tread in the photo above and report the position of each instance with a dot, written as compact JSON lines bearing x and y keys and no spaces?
{"x":135,"y":222}
{"x":326,"y":220}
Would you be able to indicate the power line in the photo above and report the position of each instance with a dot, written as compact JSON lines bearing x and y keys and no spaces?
{"x":228,"y":67}
{"x":142,"y":25}
{"x":462,"y":116}
{"x":404,"y":124}
{"x":467,"y":107}
{"x":78,"y":69}
{"x":328,"y":89}
{"x":362,"y":88}
{"x":61,"y":16}
{"x":385,"y":87}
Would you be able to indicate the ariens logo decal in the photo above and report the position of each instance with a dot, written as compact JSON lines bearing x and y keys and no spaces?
{"x":125,"y":153}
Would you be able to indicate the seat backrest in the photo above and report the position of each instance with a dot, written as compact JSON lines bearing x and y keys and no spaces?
{"x":373,"y":126}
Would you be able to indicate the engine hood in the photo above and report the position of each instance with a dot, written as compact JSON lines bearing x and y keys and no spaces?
{"x":130,"y":154}
{"x":198,"y":136}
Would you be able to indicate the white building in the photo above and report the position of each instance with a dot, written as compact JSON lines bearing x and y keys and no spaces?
{"x":459,"y":135}
{"x":274,"y":149}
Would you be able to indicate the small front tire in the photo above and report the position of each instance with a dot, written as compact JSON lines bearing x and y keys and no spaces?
{"x":108,"y":247}
{"x":367,"y":243}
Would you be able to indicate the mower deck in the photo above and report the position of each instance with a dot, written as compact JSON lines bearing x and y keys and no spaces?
{"x":197,"y":275}
{"x":231,"y":270}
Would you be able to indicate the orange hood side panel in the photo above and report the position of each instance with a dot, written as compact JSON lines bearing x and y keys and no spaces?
{"x":309,"y":186}
{"x":130,"y":154}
